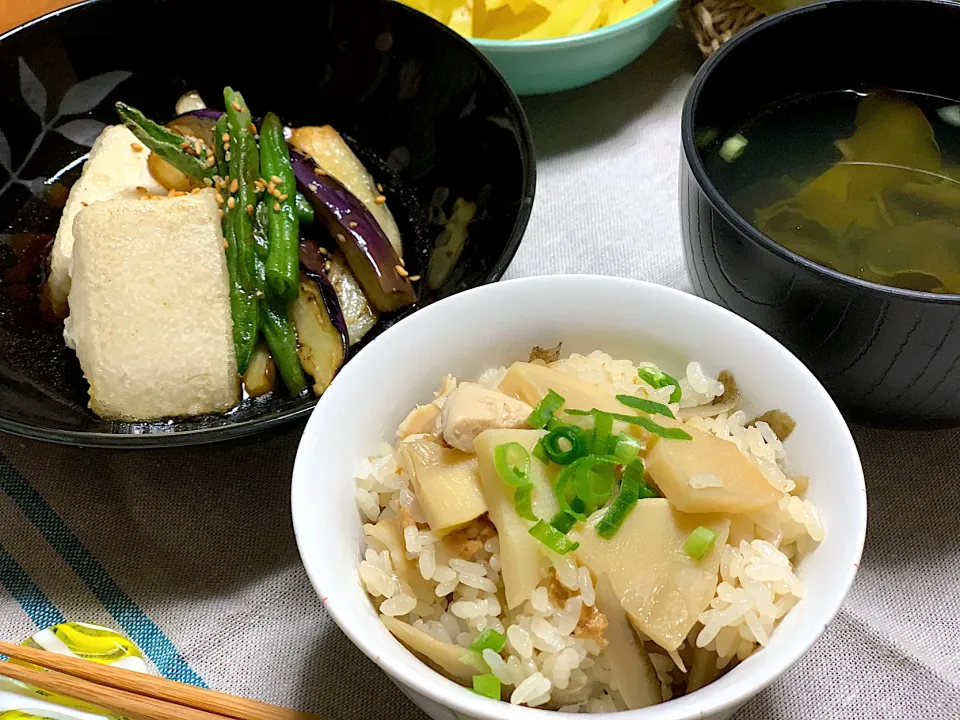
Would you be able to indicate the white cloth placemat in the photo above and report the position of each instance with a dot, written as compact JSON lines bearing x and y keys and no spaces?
{"x":191,"y":553}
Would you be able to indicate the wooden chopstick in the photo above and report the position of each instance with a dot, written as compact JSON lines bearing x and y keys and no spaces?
{"x":139,"y":696}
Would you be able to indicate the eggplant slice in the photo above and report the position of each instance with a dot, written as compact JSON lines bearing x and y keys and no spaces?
{"x":321,"y":330}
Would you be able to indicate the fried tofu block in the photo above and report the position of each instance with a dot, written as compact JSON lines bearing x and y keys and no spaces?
{"x":150,"y":308}
{"x":115,"y":168}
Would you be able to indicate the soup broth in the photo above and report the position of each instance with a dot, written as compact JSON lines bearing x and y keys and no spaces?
{"x":867,"y":184}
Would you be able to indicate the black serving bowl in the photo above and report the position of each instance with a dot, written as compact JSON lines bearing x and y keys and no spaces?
{"x":887,"y":356}
{"x":428,"y":115}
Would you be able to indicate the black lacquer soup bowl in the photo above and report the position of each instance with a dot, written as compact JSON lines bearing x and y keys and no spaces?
{"x":888,"y":356}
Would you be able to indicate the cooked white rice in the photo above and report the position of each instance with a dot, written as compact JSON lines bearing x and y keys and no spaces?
{"x":547,"y":662}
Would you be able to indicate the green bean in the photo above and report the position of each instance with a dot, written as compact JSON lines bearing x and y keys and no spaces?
{"x":166,"y":143}
{"x":243,"y":160}
{"x":243,"y":304}
{"x":304,"y":209}
{"x":283,"y":263}
{"x":218,"y":131}
{"x":282,"y":341}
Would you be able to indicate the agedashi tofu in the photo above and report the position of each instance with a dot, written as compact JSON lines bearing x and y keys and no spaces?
{"x":531,"y":382}
{"x":520,"y":552}
{"x":706,"y":473}
{"x":662,"y":589}
{"x":115,"y":168}
{"x":150,"y":308}
{"x":446,"y":482}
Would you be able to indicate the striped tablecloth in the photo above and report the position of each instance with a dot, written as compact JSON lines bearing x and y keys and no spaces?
{"x":191,"y":554}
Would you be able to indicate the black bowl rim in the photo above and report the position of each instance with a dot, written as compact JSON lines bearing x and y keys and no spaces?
{"x":720,"y":204}
{"x":220,"y":433}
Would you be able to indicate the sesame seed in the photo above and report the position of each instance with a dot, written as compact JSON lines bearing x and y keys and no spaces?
{"x":379,"y":199}
{"x":276,"y":180}
{"x":283,"y":197}
{"x":225,"y":137}
{"x":319,"y":171}
{"x":341,"y":238}
{"x":136,"y":147}
{"x":253,"y":128}
{"x":224,"y":240}
{"x":324,"y":251}
{"x":352,"y":224}
{"x":401,"y":270}
{"x":84,"y":204}
{"x":142,"y":190}
{"x":327,"y":265}
{"x":231,"y":202}
{"x":220,"y":215}
{"x":211,"y":160}
{"x":208,"y":182}
{"x":185,"y":144}
{"x":236,"y":106}
{"x":271,"y":187}
{"x":259,"y":294}
{"x":172,"y":193}
{"x":234,"y":185}
{"x":249,"y":209}
{"x":198,"y":148}
{"x":226,"y":156}
{"x":195,"y":191}
{"x":379,"y":187}
{"x":413,"y":278}
{"x":219,"y":199}
{"x":276,"y":207}
{"x":226,"y":146}
{"x":314,"y":187}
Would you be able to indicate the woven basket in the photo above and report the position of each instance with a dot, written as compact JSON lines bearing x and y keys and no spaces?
{"x":713,"y":22}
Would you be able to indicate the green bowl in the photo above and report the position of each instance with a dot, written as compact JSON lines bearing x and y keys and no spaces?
{"x":536,"y":67}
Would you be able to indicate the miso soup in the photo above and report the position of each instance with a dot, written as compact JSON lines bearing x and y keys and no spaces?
{"x":865,"y":183}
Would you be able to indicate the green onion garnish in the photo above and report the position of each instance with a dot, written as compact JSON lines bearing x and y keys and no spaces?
{"x":539,"y":453}
{"x":633,"y":482}
{"x":545,"y":409}
{"x":489,"y":639}
{"x":950,"y":114}
{"x":658,"y":379}
{"x":566,"y":492}
{"x":563,"y":521}
{"x":615,"y":515}
{"x":594,"y":482}
{"x":523,"y":503}
{"x":602,"y":433}
{"x":650,"y":426}
{"x":512,"y":462}
{"x":627,"y":448}
{"x":487,"y":685}
{"x":733,"y":147}
{"x":700,"y":542}
{"x":553,"y":423}
{"x":647,"y":406}
{"x":571,"y":435}
{"x":476,"y":661}
{"x":553,"y":538}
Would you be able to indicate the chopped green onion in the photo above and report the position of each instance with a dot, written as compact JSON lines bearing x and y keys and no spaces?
{"x":553,"y":423}
{"x":705,"y":137}
{"x":512,"y":462}
{"x":950,"y":114}
{"x":573,"y":435}
{"x":627,"y":448}
{"x":733,"y":147}
{"x":489,"y":639}
{"x":578,"y":412}
{"x":487,"y":685}
{"x":647,"y":406}
{"x":658,"y":379}
{"x":594,"y":482}
{"x":650,"y":426}
{"x":615,"y":515}
{"x":553,"y":538}
{"x":700,"y":542}
{"x":545,"y":409}
{"x":563,"y":521}
{"x":523,"y":503}
{"x":633,"y":482}
{"x":602,"y":433}
{"x":566,"y":492}
{"x":539,"y":453}
{"x":475,"y":660}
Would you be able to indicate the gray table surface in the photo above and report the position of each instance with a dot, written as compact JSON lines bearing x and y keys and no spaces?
{"x":192,"y":551}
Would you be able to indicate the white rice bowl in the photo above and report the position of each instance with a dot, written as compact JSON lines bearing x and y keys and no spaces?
{"x":761,"y":579}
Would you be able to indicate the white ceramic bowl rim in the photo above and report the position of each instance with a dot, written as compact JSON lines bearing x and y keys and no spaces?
{"x":704,"y":702}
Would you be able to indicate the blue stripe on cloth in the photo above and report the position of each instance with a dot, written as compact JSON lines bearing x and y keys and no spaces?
{"x":132,"y":620}
{"x":35,"y":604}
